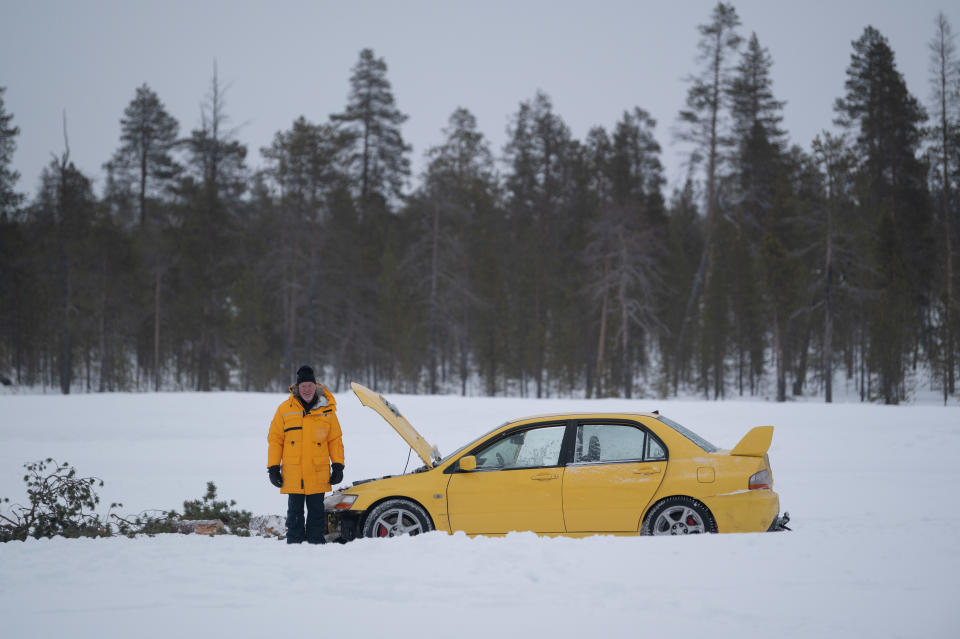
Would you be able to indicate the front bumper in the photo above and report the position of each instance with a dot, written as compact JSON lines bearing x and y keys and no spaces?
{"x":343,"y":526}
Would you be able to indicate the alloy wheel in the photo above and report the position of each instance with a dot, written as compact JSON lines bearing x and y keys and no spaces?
{"x":396,"y":522}
{"x":679,"y":520}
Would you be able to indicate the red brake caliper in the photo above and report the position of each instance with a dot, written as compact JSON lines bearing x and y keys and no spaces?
{"x":382,"y":532}
{"x":691,"y":521}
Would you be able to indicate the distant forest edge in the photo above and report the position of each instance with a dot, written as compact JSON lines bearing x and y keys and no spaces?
{"x":559,"y":267}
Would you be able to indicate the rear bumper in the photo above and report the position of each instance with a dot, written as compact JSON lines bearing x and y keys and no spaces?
{"x":744,"y":511}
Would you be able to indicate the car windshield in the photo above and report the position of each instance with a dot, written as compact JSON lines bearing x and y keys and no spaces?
{"x":689,"y":434}
{"x":463,"y":448}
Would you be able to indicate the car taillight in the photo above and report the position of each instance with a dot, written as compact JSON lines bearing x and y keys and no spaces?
{"x":760,"y":480}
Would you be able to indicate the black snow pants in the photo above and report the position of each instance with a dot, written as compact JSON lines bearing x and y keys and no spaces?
{"x":315,"y":528}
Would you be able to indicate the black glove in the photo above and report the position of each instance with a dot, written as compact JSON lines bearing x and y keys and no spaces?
{"x":275,"y":477}
{"x":336,"y":473}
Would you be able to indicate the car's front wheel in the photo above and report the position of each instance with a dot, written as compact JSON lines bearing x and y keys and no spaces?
{"x":679,"y":516}
{"x":396,"y":517}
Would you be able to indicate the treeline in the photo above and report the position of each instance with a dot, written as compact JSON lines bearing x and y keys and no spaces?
{"x":558,"y":267}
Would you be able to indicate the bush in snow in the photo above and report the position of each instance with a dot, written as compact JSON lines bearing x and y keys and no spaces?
{"x":60,"y":504}
{"x":207,"y":507}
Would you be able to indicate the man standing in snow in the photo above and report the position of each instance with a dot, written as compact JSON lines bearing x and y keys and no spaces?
{"x":305,"y":455}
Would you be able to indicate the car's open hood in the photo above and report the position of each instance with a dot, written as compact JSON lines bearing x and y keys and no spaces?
{"x":429,"y":454}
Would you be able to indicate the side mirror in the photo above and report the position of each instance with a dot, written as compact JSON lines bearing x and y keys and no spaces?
{"x":468,"y":463}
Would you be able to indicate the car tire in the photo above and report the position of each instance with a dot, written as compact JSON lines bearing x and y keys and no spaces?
{"x":679,"y":516}
{"x":397,"y":517}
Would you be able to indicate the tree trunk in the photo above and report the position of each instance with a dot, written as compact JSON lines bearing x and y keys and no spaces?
{"x":828,"y":307}
{"x":801,"y":377}
{"x":104,"y":359}
{"x":434,"y":276}
{"x":943,"y":62}
{"x":156,"y":329}
{"x":692,"y":300}
{"x":626,"y":369}
{"x":828,"y":346}
{"x":143,"y":185}
{"x":311,"y":321}
{"x":603,"y":330}
{"x":778,"y":355}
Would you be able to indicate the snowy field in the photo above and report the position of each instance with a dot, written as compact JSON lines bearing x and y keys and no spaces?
{"x":873,"y":553}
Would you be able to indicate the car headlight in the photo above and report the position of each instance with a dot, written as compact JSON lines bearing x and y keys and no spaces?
{"x":339,"y":502}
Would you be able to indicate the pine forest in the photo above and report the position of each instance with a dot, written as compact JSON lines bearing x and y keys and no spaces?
{"x":553,"y":266}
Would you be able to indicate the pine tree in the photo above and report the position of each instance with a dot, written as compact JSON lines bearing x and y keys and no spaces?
{"x":458,"y":190}
{"x":945,"y":140}
{"x":206,"y":264}
{"x":148,"y":135}
{"x":378,"y":167}
{"x":9,"y":199}
{"x":756,"y":162}
{"x":888,"y":120}
{"x":833,"y":228}
{"x":305,"y":167}
{"x":703,"y":122}
{"x":144,"y":169}
{"x":622,"y":253}
{"x":378,"y":161}
{"x":62,"y":216}
{"x":685,"y":248}
{"x":539,"y":144}
{"x":759,"y":138}
{"x":13,"y":275}
{"x":706,"y":97}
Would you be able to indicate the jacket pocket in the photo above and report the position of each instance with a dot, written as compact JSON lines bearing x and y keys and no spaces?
{"x":292,"y":446}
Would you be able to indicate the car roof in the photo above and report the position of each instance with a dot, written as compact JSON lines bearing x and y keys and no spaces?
{"x":603,"y":415}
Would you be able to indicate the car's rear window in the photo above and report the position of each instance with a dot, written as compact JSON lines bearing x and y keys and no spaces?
{"x":689,"y":434}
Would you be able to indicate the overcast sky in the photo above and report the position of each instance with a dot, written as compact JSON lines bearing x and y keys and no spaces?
{"x":284,"y":59}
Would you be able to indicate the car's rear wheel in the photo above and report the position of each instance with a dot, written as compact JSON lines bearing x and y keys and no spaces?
{"x":396,"y":517}
{"x":679,"y":516}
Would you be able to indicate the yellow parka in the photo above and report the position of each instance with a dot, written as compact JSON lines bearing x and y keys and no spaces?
{"x":305,"y":443}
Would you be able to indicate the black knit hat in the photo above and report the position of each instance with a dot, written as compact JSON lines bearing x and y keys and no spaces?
{"x":305,"y":374}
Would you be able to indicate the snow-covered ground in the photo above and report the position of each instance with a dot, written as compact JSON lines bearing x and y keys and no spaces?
{"x":872,"y":491}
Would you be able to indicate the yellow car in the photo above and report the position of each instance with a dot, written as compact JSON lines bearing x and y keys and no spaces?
{"x":568,"y":474}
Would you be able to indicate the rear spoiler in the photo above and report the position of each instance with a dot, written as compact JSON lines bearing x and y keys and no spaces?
{"x":756,"y":443}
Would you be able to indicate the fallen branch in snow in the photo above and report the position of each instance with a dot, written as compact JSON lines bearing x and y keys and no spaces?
{"x":62,"y":504}
{"x":200,"y":526}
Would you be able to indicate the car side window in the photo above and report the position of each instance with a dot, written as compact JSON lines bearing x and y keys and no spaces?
{"x":524,"y":449}
{"x":609,"y":443}
{"x":655,"y":450}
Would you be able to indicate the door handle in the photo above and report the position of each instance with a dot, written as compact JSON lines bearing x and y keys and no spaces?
{"x":544,"y":476}
{"x":647,"y":471}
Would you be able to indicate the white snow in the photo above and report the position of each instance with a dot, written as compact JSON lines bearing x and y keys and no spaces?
{"x":872,"y":491}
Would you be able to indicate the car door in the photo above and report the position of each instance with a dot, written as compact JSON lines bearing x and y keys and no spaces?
{"x":615,"y":470}
{"x":516,"y":485}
